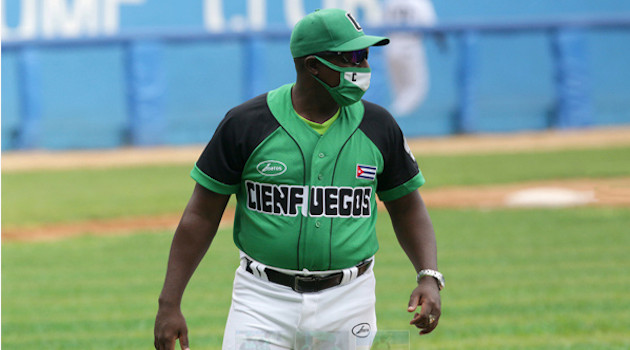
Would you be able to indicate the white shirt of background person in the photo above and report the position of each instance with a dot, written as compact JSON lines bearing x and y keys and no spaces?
{"x":405,"y":55}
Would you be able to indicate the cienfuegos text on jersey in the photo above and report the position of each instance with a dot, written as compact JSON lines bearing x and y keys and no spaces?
{"x":291,"y":200}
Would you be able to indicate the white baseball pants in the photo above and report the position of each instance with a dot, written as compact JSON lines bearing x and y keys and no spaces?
{"x":266,"y":315}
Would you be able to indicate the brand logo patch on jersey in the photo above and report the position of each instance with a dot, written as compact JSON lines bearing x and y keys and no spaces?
{"x":271,"y":168}
{"x":367,"y":172}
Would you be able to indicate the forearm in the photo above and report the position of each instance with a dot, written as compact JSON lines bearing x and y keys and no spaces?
{"x":415,"y":234}
{"x":190,"y":244}
{"x":414,"y":230}
{"x":193,"y":237}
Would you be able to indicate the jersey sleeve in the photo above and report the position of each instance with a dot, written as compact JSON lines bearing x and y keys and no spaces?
{"x":221,"y":163}
{"x":401,"y":174}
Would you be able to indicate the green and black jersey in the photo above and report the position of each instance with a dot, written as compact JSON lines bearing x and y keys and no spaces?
{"x":305,"y":200}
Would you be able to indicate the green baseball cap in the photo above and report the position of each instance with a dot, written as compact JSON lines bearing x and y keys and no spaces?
{"x":330,"y":30}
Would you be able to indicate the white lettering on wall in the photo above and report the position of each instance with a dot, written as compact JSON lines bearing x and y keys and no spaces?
{"x":27,"y":28}
{"x":257,"y":13}
{"x":75,"y":18}
{"x":370,"y":10}
{"x":213,"y":17}
{"x":66,"y":19}
{"x":293,"y":11}
{"x":62,"y":19}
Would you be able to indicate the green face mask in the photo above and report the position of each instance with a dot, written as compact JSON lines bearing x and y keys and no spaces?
{"x":353,"y":83}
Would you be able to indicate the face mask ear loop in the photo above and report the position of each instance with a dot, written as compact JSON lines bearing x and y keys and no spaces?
{"x":331,"y":66}
{"x":322,"y":82}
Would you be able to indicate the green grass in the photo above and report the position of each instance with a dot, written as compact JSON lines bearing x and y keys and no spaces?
{"x":492,"y":169}
{"x":97,"y":292}
{"x":526,"y":279}
{"x":35,"y":198}
{"x":516,"y":279}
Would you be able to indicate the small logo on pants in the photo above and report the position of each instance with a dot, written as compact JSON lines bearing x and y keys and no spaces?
{"x":362,"y":330}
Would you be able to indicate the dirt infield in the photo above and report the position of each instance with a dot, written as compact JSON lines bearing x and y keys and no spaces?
{"x":101,"y":227}
{"x":608,"y":192}
{"x":594,"y":192}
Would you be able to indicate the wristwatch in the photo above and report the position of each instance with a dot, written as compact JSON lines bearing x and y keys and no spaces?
{"x":427,"y":272}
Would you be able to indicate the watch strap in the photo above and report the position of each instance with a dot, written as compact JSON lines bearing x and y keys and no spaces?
{"x":435,"y":274}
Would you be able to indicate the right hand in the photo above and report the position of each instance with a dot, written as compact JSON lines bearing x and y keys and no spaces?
{"x":427,"y":296}
{"x":170,"y":325}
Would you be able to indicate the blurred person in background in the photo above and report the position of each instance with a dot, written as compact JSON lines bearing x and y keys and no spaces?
{"x":405,"y":55}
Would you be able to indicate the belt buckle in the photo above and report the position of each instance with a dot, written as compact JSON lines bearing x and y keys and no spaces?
{"x":308,"y":279}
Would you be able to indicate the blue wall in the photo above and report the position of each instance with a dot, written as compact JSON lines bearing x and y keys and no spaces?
{"x":84,"y":93}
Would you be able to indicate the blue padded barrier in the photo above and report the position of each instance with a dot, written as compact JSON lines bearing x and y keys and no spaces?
{"x":29,"y":133}
{"x":146,"y":86}
{"x":146,"y":70}
{"x":574,"y":106}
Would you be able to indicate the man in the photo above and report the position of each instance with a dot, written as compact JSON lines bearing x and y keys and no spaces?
{"x":405,"y":56}
{"x":306,"y":162}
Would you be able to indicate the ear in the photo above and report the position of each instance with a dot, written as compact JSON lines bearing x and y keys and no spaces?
{"x":311,"y":64}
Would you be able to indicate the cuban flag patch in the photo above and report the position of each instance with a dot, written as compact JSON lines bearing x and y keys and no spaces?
{"x":367,"y":172}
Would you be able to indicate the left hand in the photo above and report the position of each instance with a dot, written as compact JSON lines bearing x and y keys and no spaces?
{"x":427,"y":296}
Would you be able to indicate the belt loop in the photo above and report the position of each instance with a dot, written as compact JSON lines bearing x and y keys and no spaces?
{"x":258,"y":270}
{"x":354,"y":273}
{"x":349,"y":274}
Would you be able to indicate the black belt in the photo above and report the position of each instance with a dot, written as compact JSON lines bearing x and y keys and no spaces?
{"x":307,"y":284}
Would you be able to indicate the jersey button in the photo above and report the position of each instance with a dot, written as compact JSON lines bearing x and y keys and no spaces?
{"x":321,"y":155}
{"x":318,"y":224}
{"x":320,"y":177}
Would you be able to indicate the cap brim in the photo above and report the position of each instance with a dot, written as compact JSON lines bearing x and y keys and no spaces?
{"x":361,"y":42}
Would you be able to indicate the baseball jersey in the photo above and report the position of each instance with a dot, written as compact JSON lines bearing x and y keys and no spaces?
{"x":305,"y":200}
